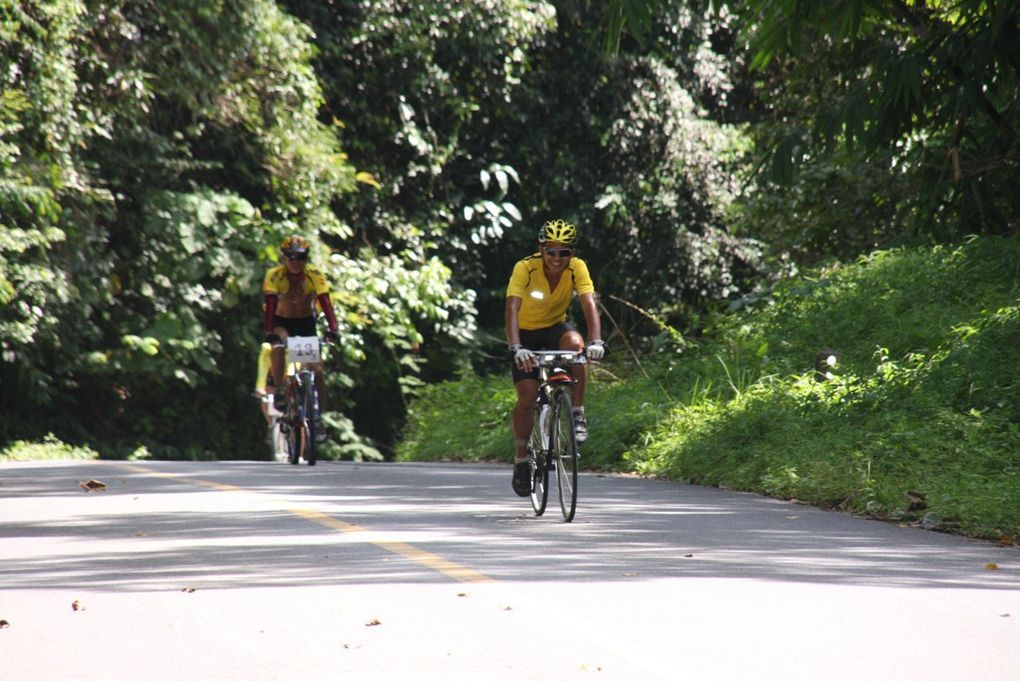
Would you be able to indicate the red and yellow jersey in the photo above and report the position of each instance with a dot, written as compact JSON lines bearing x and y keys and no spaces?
{"x":540,"y":307}
{"x":276,"y":281}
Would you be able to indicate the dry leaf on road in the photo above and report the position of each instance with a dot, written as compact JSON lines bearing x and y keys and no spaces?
{"x":92,"y":485}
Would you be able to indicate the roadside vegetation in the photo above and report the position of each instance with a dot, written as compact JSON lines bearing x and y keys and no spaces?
{"x":755,"y":182}
{"x":48,"y":448}
{"x":919,"y":419}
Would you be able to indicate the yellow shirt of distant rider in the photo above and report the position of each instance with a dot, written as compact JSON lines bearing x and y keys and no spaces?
{"x":276,"y":281}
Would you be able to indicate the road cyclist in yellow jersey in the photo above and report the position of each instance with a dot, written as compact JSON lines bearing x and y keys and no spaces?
{"x":291,"y":293}
{"x":541,"y":289}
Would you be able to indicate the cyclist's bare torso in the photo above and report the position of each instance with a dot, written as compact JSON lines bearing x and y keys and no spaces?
{"x":295,"y":302}
{"x":553,"y":277}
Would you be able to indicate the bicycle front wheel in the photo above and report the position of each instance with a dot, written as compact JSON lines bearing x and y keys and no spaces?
{"x":295,"y":431}
{"x":309,"y":420}
{"x":563,"y":448}
{"x":538,"y":458}
{"x":295,"y":435}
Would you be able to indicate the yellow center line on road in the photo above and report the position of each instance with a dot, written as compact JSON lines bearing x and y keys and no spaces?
{"x":413,"y":553}
{"x":198,"y":482}
{"x":420,"y":556}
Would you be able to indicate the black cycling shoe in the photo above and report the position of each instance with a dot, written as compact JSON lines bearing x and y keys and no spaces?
{"x":522,"y":479}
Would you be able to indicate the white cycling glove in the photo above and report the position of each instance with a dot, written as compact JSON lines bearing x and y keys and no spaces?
{"x":523,"y":357}
{"x":595,"y":350}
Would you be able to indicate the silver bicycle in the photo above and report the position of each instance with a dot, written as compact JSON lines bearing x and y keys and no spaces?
{"x":553,"y":444}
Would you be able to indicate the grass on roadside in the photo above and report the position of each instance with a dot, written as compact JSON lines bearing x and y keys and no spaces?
{"x":50,"y":448}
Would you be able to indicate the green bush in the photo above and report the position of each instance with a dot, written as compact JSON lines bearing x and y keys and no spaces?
{"x":50,"y":448}
{"x":467,"y":419}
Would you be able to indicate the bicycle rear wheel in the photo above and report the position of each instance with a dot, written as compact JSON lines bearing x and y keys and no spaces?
{"x":538,"y":458}
{"x":563,"y":449}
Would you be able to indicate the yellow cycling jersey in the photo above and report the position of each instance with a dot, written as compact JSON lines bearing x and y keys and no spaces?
{"x":276,"y":281}
{"x":540,"y":307}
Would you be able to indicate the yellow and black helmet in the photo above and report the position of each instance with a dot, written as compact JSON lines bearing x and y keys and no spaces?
{"x":294,"y":246}
{"x":558,"y":230}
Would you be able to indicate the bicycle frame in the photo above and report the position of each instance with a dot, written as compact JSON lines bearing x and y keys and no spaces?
{"x":303,"y":408}
{"x":553,"y":372}
{"x":548,"y":440}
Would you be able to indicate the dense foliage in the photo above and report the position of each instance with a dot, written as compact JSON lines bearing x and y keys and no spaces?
{"x":918,"y":419}
{"x":153,"y":153}
{"x":904,"y":115}
{"x":484,"y":119}
{"x":874,"y":122}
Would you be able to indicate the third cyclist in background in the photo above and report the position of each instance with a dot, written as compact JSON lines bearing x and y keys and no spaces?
{"x":541,"y":288}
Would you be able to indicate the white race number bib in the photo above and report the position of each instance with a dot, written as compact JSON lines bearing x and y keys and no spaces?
{"x":303,"y":349}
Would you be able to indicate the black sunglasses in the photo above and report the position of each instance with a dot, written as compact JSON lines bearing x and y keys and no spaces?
{"x":296,"y":256}
{"x":559,"y":252}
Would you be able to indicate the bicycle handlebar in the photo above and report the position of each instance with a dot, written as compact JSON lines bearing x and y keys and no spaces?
{"x":548,"y":358}
{"x":282,"y":342}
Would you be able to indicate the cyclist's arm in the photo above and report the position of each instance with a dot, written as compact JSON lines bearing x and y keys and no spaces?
{"x":271,"y":299}
{"x":327,"y":309}
{"x":591,"y":316}
{"x":513,"y":329}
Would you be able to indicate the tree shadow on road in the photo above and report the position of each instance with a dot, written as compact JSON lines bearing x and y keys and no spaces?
{"x":246,"y":525}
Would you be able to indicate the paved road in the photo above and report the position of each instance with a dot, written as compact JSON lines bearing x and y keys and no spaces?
{"x":260,"y":571}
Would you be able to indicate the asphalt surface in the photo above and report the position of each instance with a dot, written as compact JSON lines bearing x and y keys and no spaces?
{"x":412,"y":571}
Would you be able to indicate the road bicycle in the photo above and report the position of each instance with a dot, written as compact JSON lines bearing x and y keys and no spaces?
{"x":299,"y":422}
{"x":553,"y":444}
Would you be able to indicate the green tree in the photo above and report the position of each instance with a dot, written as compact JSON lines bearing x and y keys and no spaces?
{"x":878,"y":121}
{"x":482,"y":120}
{"x":151,"y":155}
{"x":47,"y":205}
{"x":934,"y":86}
{"x":637,"y":148}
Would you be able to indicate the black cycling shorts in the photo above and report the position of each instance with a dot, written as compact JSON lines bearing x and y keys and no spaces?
{"x":296,"y":326}
{"x":540,"y":339}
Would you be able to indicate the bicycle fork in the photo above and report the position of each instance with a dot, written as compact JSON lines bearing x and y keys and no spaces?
{"x":545,"y":426}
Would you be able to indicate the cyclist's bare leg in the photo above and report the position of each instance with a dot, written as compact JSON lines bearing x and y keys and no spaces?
{"x":523,"y":415}
{"x":572,"y":340}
